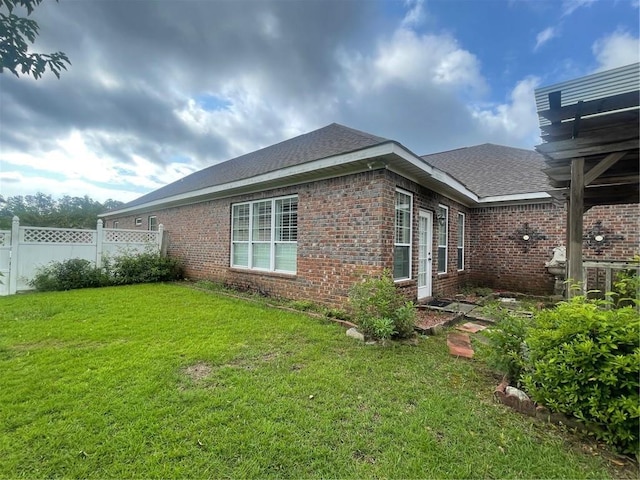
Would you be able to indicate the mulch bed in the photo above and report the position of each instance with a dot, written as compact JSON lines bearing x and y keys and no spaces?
{"x":430,"y":318}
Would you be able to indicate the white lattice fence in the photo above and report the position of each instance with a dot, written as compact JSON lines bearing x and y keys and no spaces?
{"x":5,"y":238}
{"x":57,"y":235}
{"x":23,"y":250}
{"x":129,"y":236}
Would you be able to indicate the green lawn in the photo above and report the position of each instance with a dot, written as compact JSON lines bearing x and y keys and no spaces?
{"x":96,"y":383}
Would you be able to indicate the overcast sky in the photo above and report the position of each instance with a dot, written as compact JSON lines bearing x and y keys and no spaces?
{"x":158,"y":89}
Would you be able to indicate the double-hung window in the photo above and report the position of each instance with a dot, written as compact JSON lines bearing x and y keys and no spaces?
{"x":152,"y":223}
{"x":402,"y":242}
{"x":264,"y":234}
{"x":443,"y":237}
{"x":460,"y":241}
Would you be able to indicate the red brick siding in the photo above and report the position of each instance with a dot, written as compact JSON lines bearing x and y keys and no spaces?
{"x":346,"y":230}
{"x":500,"y":262}
{"x":425,"y":199}
{"x":343,"y":234}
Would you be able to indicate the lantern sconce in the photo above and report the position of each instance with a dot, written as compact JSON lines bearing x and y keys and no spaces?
{"x":598,"y":237}
{"x":527,"y":237}
{"x":442,"y":219}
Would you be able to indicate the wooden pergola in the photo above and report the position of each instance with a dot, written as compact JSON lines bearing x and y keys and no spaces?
{"x":590,"y":129}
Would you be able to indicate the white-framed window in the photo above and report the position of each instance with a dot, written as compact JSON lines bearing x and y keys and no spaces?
{"x":461,"y":241}
{"x":264,"y":234}
{"x":443,"y":237}
{"x":152,"y":222}
{"x":138,"y":221}
{"x":115,"y":224}
{"x":403,"y":233}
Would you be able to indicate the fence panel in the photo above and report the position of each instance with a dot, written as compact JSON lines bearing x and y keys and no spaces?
{"x":24,"y":250}
{"x":5,"y":258}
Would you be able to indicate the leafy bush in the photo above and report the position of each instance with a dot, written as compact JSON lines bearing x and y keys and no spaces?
{"x":507,"y":352}
{"x":380,"y":310}
{"x":381,"y":328}
{"x":79,"y":273}
{"x":627,"y":285}
{"x":68,"y":275}
{"x":585,"y":361}
{"x":144,"y":268}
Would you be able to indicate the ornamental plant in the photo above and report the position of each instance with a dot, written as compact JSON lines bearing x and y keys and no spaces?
{"x":584,"y":360}
{"x":380,"y":310}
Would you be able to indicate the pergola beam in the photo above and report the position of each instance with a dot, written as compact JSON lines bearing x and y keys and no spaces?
{"x":602,"y":166}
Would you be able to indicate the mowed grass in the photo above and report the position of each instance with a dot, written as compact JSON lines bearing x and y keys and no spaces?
{"x":166,"y":381}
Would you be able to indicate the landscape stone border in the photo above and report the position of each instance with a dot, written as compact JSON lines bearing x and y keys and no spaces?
{"x":540,"y":412}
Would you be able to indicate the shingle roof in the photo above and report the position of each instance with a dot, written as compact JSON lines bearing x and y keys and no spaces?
{"x":334,"y":139}
{"x":491,"y":170}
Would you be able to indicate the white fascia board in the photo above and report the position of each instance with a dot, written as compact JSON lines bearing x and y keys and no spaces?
{"x":516,"y":197}
{"x":435,"y":173}
{"x":371,"y":152}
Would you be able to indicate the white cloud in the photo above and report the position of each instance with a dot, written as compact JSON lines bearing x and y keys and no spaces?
{"x":13,"y":184}
{"x":77,"y":162}
{"x":415,"y":14}
{"x":615,"y":50}
{"x":408,"y":59}
{"x":544,"y":36}
{"x":516,"y":120}
{"x":570,"y":6}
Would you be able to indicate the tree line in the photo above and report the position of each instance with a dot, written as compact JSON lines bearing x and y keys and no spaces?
{"x":42,"y":210}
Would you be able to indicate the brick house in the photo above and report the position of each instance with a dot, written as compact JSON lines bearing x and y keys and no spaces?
{"x":308,"y":217}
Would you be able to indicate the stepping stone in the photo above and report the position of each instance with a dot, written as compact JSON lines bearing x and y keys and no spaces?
{"x":471,"y":327}
{"x":460,"y":345}
{"x":459,"y":307}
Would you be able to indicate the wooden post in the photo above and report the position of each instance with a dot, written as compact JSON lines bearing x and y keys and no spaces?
{"x":576,"y":211}
{"x":567,"y":251}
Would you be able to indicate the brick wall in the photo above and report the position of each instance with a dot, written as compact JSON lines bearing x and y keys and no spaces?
{"x":346,"y":230}
{"x":501,"y":262}
{"x":443,"y":284}
{"x":343,"y":234}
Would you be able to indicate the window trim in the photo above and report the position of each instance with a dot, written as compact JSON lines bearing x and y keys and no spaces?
{"x":272,"y":242}
{"x":149,"y":223}
{"x":462,"y":227}
{"x":446,"y":239}
{"x":410,"y":244}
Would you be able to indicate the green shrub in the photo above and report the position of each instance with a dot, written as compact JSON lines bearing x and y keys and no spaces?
{"x":626,"y":287}
{"x":126,"y":269}
{"x":380,"y":310}
{"x":381,"y":328}
{"x":405,"y":320}
{"x":144,"y":268}
{"x":68,"y":275}
{"x":584,"y":361}
{"x":507,"y":352}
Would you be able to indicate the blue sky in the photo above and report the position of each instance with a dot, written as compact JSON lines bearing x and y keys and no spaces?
{"x":157,"y":90}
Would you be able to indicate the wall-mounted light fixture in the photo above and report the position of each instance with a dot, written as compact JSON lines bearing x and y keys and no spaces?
{"x":527,"y":237}
{"x":599,"y":237}
{"x":442,"y":219}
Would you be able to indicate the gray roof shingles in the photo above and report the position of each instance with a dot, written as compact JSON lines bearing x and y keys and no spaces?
{"x":334,"y":139}
{"x":491,"y":170}
{"x":487,"y":170}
